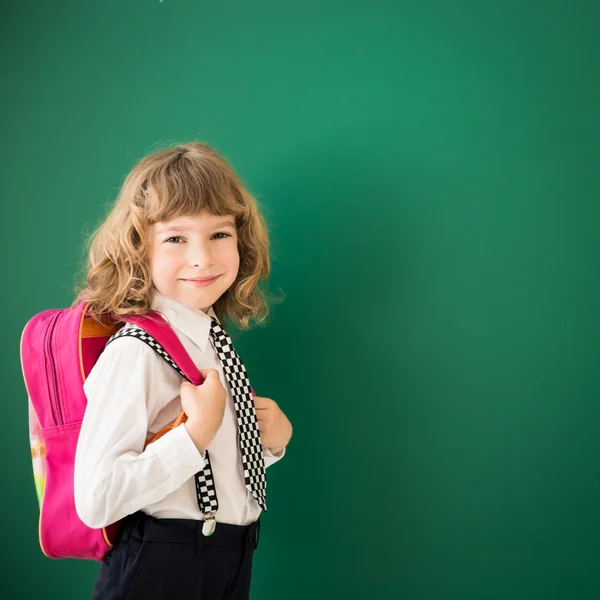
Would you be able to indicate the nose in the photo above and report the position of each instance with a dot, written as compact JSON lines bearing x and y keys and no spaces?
{"x":200,"y":254}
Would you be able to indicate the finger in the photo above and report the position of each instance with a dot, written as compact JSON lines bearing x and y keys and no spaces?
{"x":262,"y":402}
{"x":209,"y":373}
{"x":263,"y":415}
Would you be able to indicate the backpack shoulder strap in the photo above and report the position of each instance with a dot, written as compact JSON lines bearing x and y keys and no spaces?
{"x":153,"y":330}
{"x":161,"y":337}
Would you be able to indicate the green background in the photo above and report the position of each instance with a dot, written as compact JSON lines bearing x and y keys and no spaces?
{"x":429,"y":173}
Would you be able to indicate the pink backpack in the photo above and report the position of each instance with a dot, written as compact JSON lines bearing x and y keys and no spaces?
{"x":59,"y":347}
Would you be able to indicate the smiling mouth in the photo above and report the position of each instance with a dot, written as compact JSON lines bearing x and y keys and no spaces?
{"x":201,"y":282}
{"x":202,"y":278}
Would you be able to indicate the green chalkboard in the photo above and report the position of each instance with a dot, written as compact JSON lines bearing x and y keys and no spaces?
{"x":429,"y":174}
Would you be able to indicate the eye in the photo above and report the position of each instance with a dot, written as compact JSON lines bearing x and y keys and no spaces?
{"x":178,"y":237}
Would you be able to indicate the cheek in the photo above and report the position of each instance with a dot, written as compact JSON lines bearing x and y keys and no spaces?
{"x":163,"y":265}
{"x":232,"y":257}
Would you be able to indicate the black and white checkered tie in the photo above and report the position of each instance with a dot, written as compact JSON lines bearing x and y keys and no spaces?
{"x":253,"y":462}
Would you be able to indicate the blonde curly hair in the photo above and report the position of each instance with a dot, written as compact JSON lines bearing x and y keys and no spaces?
{"x":174,"y":182}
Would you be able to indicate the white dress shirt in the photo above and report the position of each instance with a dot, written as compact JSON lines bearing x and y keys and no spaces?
{"x":132,"y":394}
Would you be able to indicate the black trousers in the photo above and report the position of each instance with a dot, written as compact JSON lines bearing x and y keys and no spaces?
{"x":171,"y":559}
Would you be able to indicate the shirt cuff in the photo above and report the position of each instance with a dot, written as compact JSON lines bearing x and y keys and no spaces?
{"x":178,"y":454}
{"x":271,"y":455}
{"x":271,"y":458}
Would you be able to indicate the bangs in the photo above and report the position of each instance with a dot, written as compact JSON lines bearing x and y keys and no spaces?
{"x":184,"y":188}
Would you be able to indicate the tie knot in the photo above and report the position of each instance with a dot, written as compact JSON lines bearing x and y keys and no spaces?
{"x":215,"y":327}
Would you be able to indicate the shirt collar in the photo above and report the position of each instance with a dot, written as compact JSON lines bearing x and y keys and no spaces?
{"x":192,"y":322}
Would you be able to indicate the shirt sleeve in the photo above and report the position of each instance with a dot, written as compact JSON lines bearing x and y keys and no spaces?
{"x":270,"y":458}
{"x":114,"y":476}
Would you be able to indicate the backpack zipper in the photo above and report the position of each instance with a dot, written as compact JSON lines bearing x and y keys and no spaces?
{"x":53,"y":387}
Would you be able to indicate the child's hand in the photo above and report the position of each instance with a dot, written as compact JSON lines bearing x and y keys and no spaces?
{"x":204,"y":406}
{"x":275,"y":428}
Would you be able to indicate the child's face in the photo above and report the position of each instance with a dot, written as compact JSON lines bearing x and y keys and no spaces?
{"x":188,"y":248}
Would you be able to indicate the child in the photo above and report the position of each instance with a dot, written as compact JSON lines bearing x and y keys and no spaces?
{"x":182,"y":216}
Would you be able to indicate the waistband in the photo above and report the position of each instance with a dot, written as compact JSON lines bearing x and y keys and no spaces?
{"x":189,"y":531}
